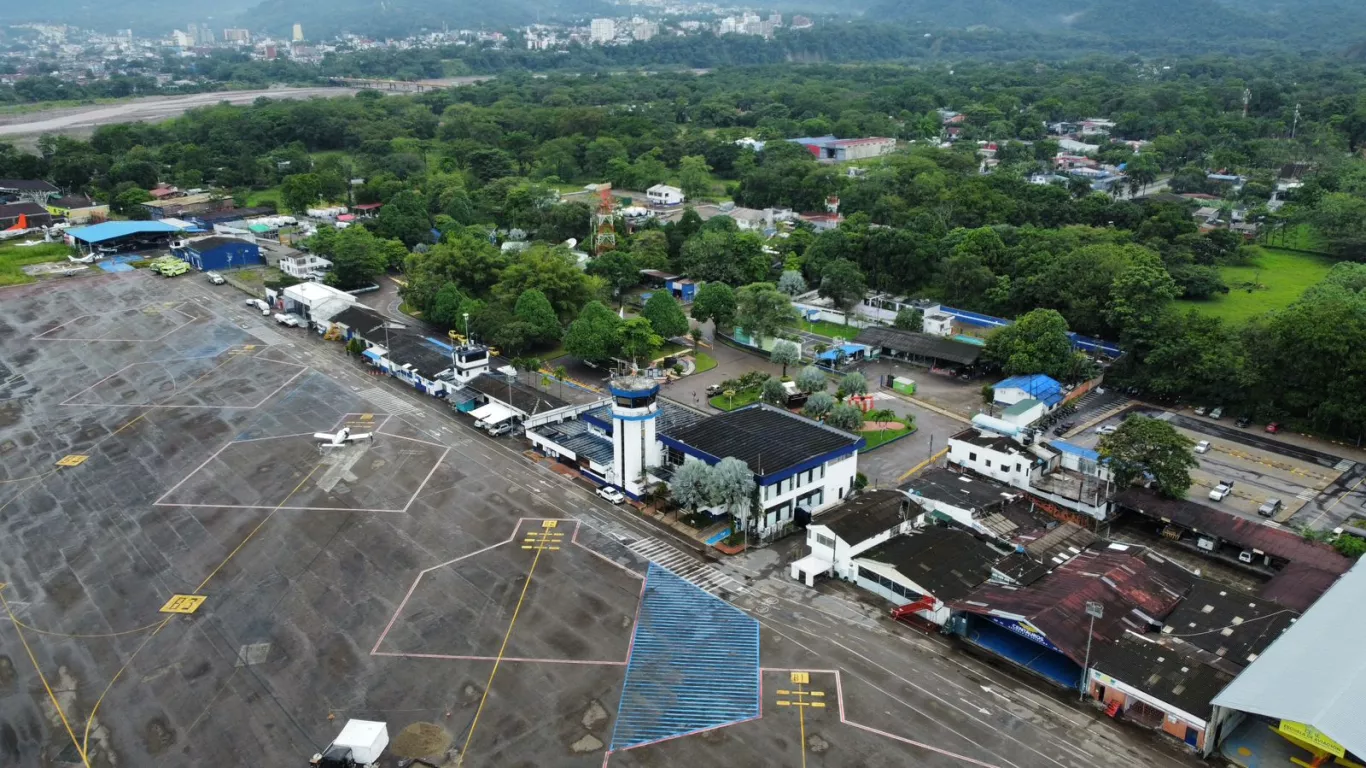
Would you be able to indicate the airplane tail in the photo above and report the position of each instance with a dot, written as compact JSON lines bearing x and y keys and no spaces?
{"x":21,"y":225}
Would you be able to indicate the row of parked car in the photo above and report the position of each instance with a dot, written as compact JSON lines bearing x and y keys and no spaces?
{"x":1217,"y":412}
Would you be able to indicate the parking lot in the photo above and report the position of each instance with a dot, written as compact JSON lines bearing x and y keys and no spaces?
{"x":1260,"y":467}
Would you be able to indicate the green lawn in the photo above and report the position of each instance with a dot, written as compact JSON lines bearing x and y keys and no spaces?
{"x":1280,"y":276}
{"x":703,"y":362}
{"x":741,"y":399}
{"x":877,"y":438}
{"x":261,"y":197}
{"x":828,"y":329}
{"x":13,"y":259}
{"x":1300,"y":237}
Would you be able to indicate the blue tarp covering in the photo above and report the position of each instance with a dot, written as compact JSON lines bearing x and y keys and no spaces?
{"x":1084,"y":343}
{"x":111,"y":230}
{"x":1037,"y":386}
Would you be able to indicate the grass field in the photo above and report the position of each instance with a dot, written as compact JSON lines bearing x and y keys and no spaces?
{"x":1300,"y":237}
{"x":828,"y":329}
{"x":263,"y":196}
{"x":1281,"y":276}
{"x":13,"y":259}
{"x":703,"y":362}
{"x":741,"y":399}
{"x":877,"y":437}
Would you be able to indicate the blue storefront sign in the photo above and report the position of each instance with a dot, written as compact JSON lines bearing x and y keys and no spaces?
{"x":1024,"y":629}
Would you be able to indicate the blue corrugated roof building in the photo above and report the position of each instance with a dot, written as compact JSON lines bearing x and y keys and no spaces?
{"x":1037,"y":386}
{"x":111,"y":230}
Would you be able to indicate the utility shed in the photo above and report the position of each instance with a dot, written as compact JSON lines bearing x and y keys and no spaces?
{"x":211,"y":253}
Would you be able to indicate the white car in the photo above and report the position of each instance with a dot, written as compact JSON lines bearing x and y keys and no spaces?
{"x":613,"y":495}
{"x":1106,"y":429}
{"x":1221,"y":491}
{"x":215,"y":278}
{"x":259,"y":305}
{"x":286,"y":319}
{"x":1202,"y":446}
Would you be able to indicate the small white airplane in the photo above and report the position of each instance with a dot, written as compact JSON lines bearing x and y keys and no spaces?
{"x":341,"y":438}
{"x":89,"y":258}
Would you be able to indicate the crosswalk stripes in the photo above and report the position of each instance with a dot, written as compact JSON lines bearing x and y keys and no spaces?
{"x":1345,"y":465}
{"x":387,"y":402}
{"x":1307,"y":494}
{"x":704,"y":575}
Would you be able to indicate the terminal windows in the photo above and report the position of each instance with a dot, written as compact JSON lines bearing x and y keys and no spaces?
{"x":825,"y":541}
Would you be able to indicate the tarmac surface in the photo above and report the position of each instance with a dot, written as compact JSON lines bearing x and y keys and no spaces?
{"x":151,"y":109}
{"x":189,"y":579}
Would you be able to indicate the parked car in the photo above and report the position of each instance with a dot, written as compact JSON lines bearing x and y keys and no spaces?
{"x":611,"y":494}
{"x":714,"y":390}
{"x":1273,"y":427}
{"x":1200,"y":410}
{"x":1269,"y":508}
{"x":1221,"y":491}
{"x":1202,"y":446}
{"x":258,"y":304}
{"x":500,"y":429}
{"x":1106,"y":429}
{"x":215,"y":278}
{"x":1242,"y":421}
{"x":292,"y":321}
{"x":1217,"y":413}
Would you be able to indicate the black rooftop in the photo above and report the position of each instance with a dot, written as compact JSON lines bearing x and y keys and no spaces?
{"x":920,"y":344}
{"x":768,"y":439}
{"x":425,"y":358}
{"x":962,"y":490}
{"x":947,"y":562}
{"x":364,"y":320}
{"x":1177,"y":673}
{"x":27,"y":185}
{"x":26,"y":208}
{"x":1228,"y":623}
{"x":528,"y":400}
{"x":864,"y":516}
{"x":215,"y":241}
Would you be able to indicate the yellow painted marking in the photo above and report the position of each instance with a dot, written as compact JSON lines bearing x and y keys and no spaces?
{"x":549,"y":523}
{"x":248,"y":347}
{"x":186,"y":604}
{"x":801,"y":716}
{"x":801,"y":678}
{"x":85,"y":759}
{"x":469,"y":737}
{"x":817,"y":693}
{"x":72,"y":460}
{"x":783,"y":703}
{"x":367,"y":417}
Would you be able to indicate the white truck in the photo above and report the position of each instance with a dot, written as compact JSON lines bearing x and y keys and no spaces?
{"x":1221,"y":491}
{"x":360,"y":744}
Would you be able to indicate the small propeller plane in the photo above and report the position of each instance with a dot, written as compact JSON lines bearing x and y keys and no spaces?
{"x":89,"y":258}
{"x":343,"y":437}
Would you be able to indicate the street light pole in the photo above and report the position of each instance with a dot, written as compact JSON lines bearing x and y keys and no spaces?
{"x":1094,"y":610}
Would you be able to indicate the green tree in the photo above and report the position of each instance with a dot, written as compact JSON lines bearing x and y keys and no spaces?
{"x":785,"y":353}
{"x":617,"y":270}
{"x":694,"y":176}
{"x":300,"y":192}
{"x":129,"y":201}
{"x":909,"y":319}
{"x":552,"y":271}
{"x":854,"y":383}
{"x":731,"y":487}
{"x":773,"y":393}
{"x":1351,"y":546}
{"x":1139,"y":296}
{"x":357,"y":258}
{"x":405,"y":218}
{"x":811,"y":379}
{"x":692,"y":484}
{"x":818,"y":405}
{"x":714,"y":302}
{"x":1037,"y":342}
{"x":665,"y":315}
{"x":792,"y":283}
{"x":446,"y":307}
{"x":846,"y":417}
{"x":843,"y":283}
{"x":1147,"y":446}
{"x":534,"y":309}
{"x":595,"y":335}
{"x":762,"y":310}
{"x":639,"y":342}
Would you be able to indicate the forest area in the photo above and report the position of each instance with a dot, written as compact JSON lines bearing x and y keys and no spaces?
{"x":461,"y":170}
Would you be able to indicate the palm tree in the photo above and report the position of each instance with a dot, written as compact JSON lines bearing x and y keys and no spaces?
{"x":696,"y":335}
{"x":730,"y":397}
{"x":884,"y":416}
{"x":561,"y":373}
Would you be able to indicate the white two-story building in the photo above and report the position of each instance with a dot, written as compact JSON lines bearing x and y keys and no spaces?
{"x":1067,"y":475}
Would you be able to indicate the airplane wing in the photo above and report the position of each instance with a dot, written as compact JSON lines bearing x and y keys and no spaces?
{"x":324,"y":436}
{"x":360,"y":436}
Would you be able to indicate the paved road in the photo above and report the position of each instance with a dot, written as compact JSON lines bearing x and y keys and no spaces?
{"x":149,"y":109}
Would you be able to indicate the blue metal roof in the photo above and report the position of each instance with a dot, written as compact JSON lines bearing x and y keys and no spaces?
{"x":1037,"y":386}
{"x":111,"y":230}
{"x":1076,"y":450}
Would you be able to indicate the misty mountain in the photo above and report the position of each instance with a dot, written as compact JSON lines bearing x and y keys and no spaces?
{"x":142,"y":16}
{"x":1122,"y":19}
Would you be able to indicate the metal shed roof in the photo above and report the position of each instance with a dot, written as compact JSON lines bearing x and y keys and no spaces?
{"x":111,"y":230}
{"x":1315,"y":673}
